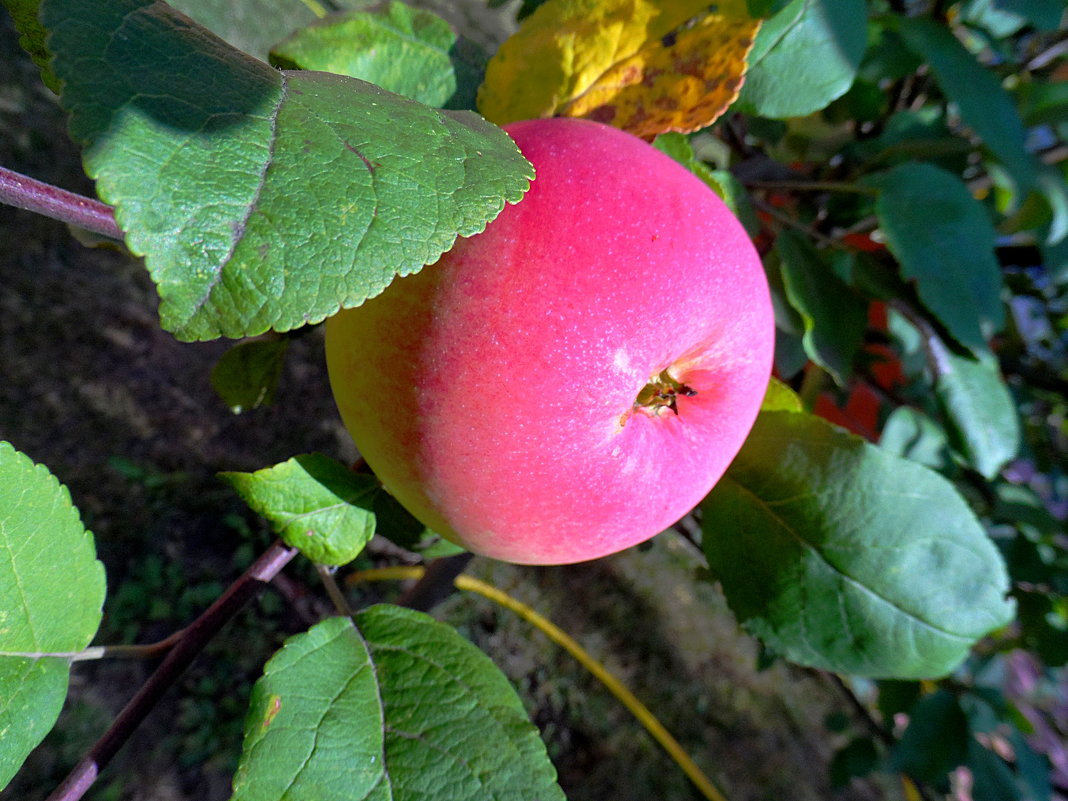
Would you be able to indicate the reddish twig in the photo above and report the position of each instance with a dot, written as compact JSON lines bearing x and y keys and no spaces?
{"x":28,"y":193}
{"x":194,"y":638}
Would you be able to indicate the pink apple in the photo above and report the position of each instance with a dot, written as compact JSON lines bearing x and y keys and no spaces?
{"x":573,"y":380}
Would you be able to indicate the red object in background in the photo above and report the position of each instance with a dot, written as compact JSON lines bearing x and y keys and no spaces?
{"x":886,"y":366}
{"x":863,"y":242}
{"x":859,"y":415}
{"x":862,"y":408}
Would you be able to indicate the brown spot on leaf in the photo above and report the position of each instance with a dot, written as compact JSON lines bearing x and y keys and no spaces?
{"x":694,"y":66}
{"x":650,"y":76}
{"x":603,"y":114}
{"x":274,"y":705}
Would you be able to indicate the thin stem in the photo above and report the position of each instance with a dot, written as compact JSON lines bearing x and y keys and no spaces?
{"x":1048,"y":56}
{"x":935,"y":348}
{"x":337,"y":597}
{"x":639,"y":710}
{"x":318,"y":9}
{"x":194,"y":638}
{"x":146,"y":651}
{"x":813,"y":186}
{"x":24,"y":192}
{"x":875,"y":728}
{"x":787,"y":220}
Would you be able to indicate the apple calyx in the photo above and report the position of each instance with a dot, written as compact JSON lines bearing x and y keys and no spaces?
{"x":662,"y":392}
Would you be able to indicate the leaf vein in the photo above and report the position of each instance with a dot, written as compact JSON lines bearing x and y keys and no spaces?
{"x":852,"y":581}
{"x":242,"y":224}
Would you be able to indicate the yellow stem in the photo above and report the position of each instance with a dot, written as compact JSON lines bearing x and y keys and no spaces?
{"x":912,"y":793}
{"x":569,"y":644}
{"x":316,"y":8}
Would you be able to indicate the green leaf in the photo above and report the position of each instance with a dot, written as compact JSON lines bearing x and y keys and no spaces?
{"x":32,"y":35}
{"x":397,"y":707}
{"x":1043,"y":102}
{"x":935,"y":741}
{"x":315,"y":727}
{"x":735,"y":195}
{"x":1043,"y":619}
{"x":897,"y":697}
{"x":992,"y":780}
{"x":1006,"y":17}
{"x":263,"y":199}
{"x":834,"y":317}
{"x":856,"y":759}
{"x":910,"y":434}
{"x":400,"y":527}
{"x":843,"y":557}
{"x":916,"y":135}
{"x":944,"y":241}
{"x":983,"y":104}
{"x":804,"y":57}
{"x":247,"y":375}
{"x":1054,"y":191}
{"x":51,"y":594}
{"x":722,"y":182}
{"x":780,"y":398}
{"x":316,"y":505}
{"x":1033,"y":770}
{"x":403,"y":49}
{"x":981,"y":413}
{"x":250,"y":25}
{"x":32,"y":692}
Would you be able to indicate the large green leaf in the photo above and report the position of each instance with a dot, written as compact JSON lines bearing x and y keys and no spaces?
{"x":406,"y":50}
{"x":397,"y":707}
{"x":983,"y":422}
{"x":944,"y":241}
{"x":983,"y":104}
{"x":804,"y":57}
{"x":843,"y":557}
{"x":51,"y":593}
{"x":262,"y":199}
{"x":317,"y":505}
{"x":833,"y":315}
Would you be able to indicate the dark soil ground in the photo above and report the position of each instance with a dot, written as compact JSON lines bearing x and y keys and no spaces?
{"x":125,"y":416}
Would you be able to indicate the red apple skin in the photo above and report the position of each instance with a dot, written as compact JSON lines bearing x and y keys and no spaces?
{"x":493,"y":393}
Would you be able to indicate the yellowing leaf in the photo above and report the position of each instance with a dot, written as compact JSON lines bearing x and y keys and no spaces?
{"x":781,"y":398}
{"x":644,"y":66}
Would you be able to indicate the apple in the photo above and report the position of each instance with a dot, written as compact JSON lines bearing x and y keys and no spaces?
{"x":574,"y":379}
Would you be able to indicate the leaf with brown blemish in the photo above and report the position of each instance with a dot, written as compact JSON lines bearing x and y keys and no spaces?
{"x":645,"y":67}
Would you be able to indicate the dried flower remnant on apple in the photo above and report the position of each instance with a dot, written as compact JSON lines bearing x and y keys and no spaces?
{"x":449,"y":381}
{"x":662,"y":392}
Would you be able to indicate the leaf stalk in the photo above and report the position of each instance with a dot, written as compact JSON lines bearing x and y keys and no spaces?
{"x":194,"y":638}
{"x":24,"y":192}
